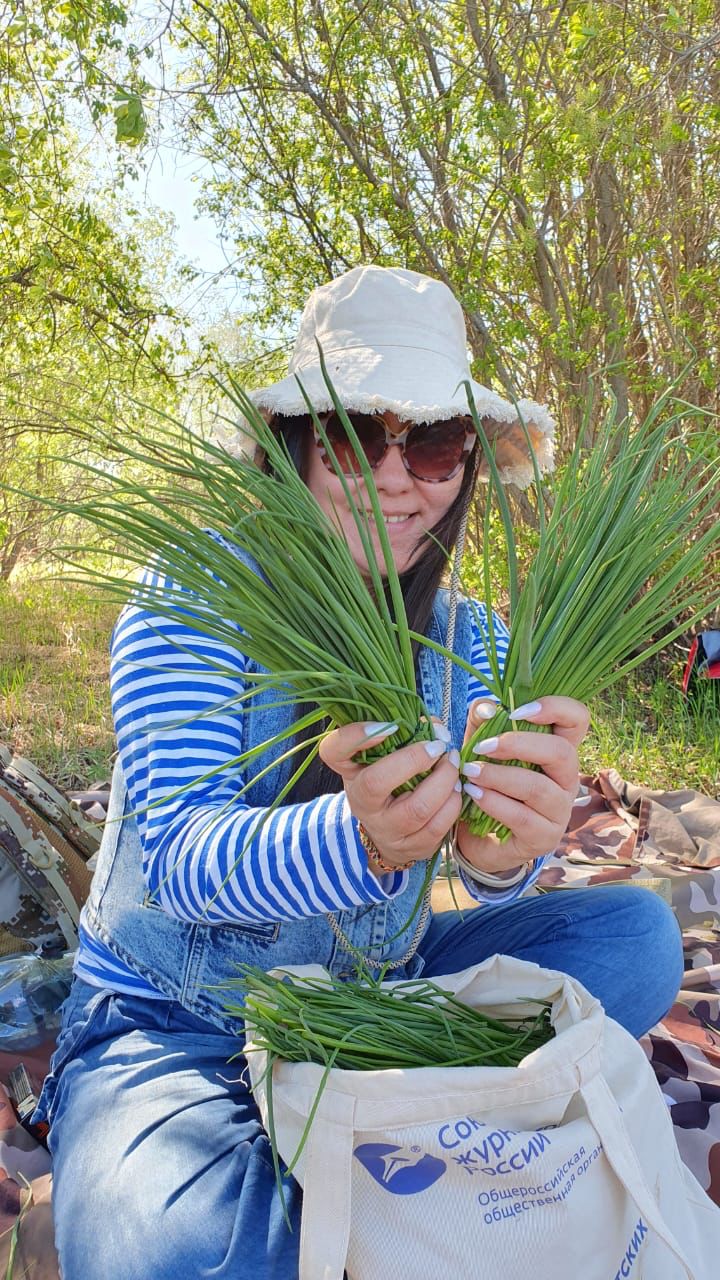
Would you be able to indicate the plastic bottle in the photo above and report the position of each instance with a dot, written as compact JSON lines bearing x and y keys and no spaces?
{"x":32,"y":989}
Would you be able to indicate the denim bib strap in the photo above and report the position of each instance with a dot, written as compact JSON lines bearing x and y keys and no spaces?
{"x":191,"y":962}
{"x":432,"y":667}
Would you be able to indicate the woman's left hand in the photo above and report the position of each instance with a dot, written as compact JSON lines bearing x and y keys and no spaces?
{"x":535,"y":806}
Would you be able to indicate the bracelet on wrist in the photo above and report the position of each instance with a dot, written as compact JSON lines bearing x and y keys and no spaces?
{"x":486,"y":878}
{"x":375,"y":857}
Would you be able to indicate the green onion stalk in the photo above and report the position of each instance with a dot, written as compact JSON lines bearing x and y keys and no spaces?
{"x":300,"y":607}
{"x":364,"y":1025}
{"x":622,"y":555}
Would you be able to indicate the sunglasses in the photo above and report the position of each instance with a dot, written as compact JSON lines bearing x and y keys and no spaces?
{"x":431,"y":451}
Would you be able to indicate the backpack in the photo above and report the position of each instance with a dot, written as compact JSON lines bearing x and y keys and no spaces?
{"x":703,"y":665}
{"x":45,"y":844}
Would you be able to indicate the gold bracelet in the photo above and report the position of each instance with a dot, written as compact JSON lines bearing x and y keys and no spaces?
{"x":374,"y":855}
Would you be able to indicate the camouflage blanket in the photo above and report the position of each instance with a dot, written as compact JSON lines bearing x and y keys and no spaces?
{"x":669,"y":841}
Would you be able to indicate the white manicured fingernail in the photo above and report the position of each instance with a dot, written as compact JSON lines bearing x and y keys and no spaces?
{"x":527,"y":709}
{"x":434,"y":748}
{"x":581,"y":800}
{"x":471,"y":769}
{"x":484,"y":711}
{"x":476,"y":793}
{"x":454,"y":758}
{"x":486,"y":746}
{"x":442,"y":733}
{"x":379,"y":729}
{"x":458,"y":786}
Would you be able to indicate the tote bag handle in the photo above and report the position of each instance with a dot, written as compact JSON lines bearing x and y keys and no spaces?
{"x":327,"y":1184}
{"x":606,"y":1118}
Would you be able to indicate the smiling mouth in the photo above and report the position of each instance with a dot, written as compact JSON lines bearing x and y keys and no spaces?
{"x":396,"y":520}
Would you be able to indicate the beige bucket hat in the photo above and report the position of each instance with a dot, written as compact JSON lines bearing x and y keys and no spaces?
{"x":395,"y":340}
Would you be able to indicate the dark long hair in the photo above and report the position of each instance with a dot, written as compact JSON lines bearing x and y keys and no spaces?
{"x":419,"y":583}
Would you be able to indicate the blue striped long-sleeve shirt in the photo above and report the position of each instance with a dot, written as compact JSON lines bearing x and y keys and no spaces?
{"x":206,"y":854}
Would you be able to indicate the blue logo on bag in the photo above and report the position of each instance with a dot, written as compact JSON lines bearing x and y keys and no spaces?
{"x":402,"y":1170}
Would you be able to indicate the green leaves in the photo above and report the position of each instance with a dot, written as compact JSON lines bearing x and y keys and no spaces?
{"x":130,"y":120}
{"x":79,"y":307}
{"x":467,"y":143}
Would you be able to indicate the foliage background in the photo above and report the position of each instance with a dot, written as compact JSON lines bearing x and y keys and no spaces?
{"x":558,"y":165}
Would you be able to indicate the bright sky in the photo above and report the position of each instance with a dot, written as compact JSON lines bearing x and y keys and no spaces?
{"x":172,"y":183}
{"x":170,"y":180}
{"x":169,"y":185}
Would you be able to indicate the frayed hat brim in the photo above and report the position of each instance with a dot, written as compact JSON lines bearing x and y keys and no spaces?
{"x":377,"y":380}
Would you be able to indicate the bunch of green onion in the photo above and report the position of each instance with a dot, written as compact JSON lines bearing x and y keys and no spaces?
{"x":303,"y":611}
{"x":622,"y":556}
{"x":362,"y":1025}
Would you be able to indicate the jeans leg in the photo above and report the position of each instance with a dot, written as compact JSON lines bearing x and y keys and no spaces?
{"x":161,"y":1166}
{"x":623,"y":944}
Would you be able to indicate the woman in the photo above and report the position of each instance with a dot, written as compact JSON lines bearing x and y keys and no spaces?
{"x":147,"y":1119}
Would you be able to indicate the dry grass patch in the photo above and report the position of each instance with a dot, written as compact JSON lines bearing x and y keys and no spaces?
{"x":54,"y":694}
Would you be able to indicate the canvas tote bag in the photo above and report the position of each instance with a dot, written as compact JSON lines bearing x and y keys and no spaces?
{"x":565,"y":1166}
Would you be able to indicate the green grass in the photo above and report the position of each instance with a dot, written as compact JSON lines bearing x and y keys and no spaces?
{"x":646,"y":729}
{"x":55,"y":705}
{"x":54,"y":696}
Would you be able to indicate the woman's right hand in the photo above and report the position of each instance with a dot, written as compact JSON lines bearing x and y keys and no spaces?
{"x":413,"y":825}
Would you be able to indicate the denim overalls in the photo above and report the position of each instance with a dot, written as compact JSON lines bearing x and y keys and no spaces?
{"x":187,"y":962}
{"x":161,"y":1167}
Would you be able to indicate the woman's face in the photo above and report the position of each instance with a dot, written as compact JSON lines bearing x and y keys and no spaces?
{"x":410,"y":506}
